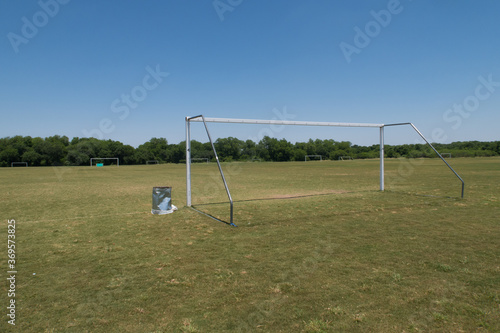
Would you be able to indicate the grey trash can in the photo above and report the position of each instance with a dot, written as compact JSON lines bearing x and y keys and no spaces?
{"x":162,"y":200}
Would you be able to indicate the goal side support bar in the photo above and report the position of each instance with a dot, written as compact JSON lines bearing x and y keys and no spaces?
{"x":188,"y":166}
{"x":435,"y":150}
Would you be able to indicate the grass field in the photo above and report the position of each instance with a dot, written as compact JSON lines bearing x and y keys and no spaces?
{"x":317,"y":249}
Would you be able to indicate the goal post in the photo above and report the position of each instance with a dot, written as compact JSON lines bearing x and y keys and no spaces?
{"x":205,"y":120}
{"x":104,"y":158}
{"x":19,"y":164}
{"x":152,"y":162}
{"x":316,"y":156}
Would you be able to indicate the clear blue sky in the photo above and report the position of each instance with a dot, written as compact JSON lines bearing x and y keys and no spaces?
{"x":80,"y":68}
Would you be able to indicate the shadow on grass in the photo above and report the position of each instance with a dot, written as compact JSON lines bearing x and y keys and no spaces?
{"x":284,"y":197}
{"x":288,"y":197}
{"x":211,"y":216}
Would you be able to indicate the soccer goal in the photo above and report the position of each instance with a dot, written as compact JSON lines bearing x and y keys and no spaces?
{"x":204,"y":120}
{"x":14,"y":164}
{"x":152,"y":162}
{"x":446,"y":155}
{"x":102,"y":159}
{"x":345,"y":158}
{"x":200,"y":160}
{"x":313,"y":158}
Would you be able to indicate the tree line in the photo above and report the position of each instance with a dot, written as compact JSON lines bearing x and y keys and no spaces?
{"x":59,"y":150}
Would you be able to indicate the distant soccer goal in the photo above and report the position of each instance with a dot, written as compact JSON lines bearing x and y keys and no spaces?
{"x":102,"y":159}
{"x":345,"y":158}
{"x":13,"y":164}
{"x":447,"y":155}
{"x":200,"y":160}
{"x":152,"y":162}
{"x":313,"y":158}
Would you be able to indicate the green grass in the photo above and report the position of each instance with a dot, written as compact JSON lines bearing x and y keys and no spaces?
{"x":324,"y":252}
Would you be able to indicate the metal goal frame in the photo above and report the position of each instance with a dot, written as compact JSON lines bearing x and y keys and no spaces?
{"x":105,"y":158}
{"x":306,"y":156}
{"x":18,"y":163}
{"x":204,"y":120}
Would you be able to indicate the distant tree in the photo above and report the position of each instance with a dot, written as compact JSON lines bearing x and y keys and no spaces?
{"x":81,"y":153}
{"x":299,"y":154}
{"x":154,"y":149}
{"x":142,"y":155}
{"x":201,"y":150}
{"x":229,"y":148}
{"x":177,"y":152}
{"x":9,"y":155}
{"x":57,"y":150}
{"x":31,"y":157}
{"x":275,"y":150}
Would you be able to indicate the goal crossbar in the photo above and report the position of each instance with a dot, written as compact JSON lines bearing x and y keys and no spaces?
{"x":205,"y":120}
{"x":282,"y":122}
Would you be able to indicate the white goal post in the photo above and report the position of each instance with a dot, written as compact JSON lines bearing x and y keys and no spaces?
{"x":343,"y":158}
{"x":320,"y":157}
{"x":105,"y":158}
{"x":152,"y":162}
{"x":201,"y":118}
{"x":19,"y":163}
